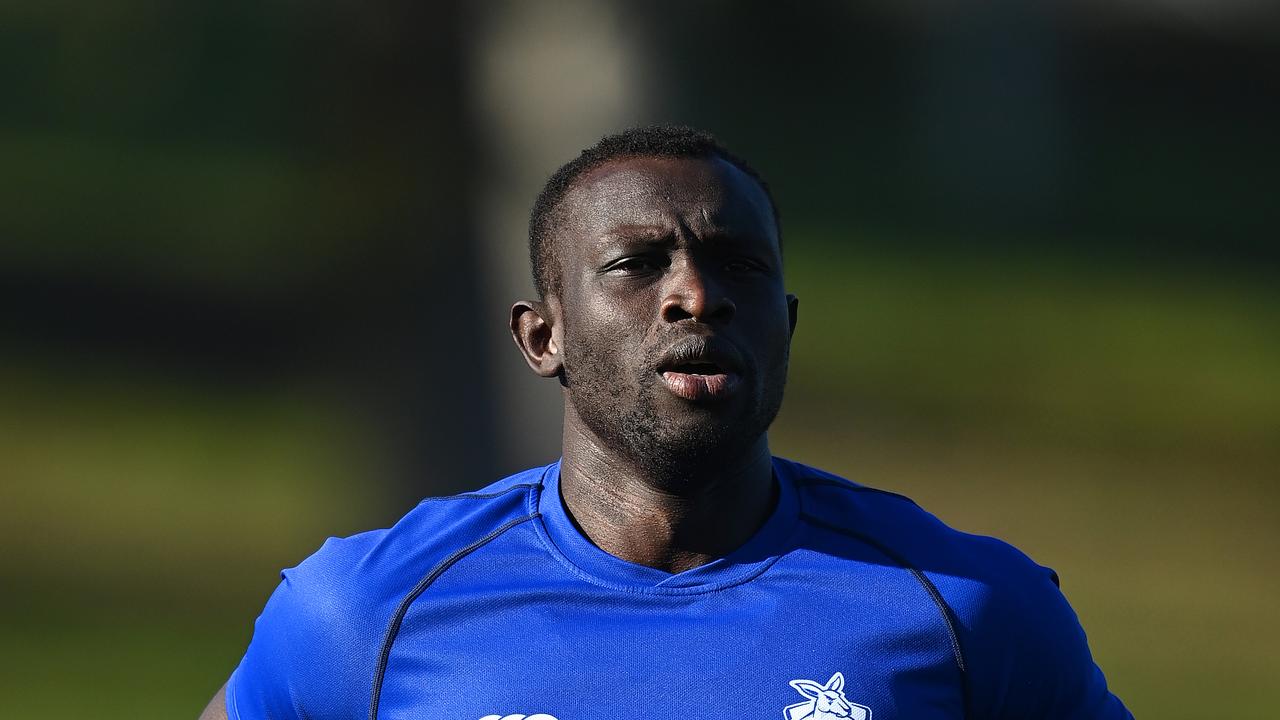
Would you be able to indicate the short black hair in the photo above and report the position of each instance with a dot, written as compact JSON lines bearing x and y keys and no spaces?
{"x":653,"y":141}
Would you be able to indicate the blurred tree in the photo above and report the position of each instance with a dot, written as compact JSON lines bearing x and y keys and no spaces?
{"x":239,"y":193}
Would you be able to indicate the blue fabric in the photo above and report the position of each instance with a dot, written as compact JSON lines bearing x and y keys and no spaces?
{"x":848,"y":601}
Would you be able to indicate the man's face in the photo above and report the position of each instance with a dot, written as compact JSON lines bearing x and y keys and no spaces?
{"x":676,"y":325}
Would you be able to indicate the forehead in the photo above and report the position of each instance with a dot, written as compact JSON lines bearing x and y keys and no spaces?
{"x":695,"y":195}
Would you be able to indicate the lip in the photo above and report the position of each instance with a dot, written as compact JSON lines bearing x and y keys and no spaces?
{"x":692,"y":386}
{"x":705,"y":350}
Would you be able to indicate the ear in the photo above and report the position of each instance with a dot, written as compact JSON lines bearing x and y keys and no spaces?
{"x":836,"y":682}
{"x":807,"y":688}
{"x":536,"y":330}
{"x":793,"y":310}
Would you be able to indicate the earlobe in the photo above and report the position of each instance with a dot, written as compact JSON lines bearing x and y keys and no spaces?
{"x":533,"y":330}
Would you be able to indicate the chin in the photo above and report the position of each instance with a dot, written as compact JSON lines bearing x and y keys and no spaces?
{"x":668,"y":434}
{"x":705,"y":437}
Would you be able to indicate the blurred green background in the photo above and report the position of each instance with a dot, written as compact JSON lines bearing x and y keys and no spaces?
{"x":255,"y":260}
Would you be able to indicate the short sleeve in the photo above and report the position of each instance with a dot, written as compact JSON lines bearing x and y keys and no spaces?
{"x":1028,"y":655}
{"x":314,"y":645}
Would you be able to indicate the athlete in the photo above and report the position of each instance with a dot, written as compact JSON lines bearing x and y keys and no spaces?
{"x":667,"y":565}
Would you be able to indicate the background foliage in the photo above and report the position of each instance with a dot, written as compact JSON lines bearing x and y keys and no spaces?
{"x":250,"y":290}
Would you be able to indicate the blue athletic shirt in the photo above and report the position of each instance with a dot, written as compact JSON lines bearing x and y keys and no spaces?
{"x":848,"y":602}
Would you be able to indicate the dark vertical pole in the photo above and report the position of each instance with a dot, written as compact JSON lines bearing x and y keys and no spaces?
{"x":414,"y":365}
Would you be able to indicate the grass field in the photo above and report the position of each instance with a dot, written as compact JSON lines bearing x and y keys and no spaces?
{"x":1120,"y":423}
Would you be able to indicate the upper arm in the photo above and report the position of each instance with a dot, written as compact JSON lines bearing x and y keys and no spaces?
{"x":217,"y":707}
{"x":314,"y":646}
{"x":1030,"y":657}
{"x":286,"y":672}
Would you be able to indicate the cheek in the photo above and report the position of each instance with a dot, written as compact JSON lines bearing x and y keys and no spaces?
{"x":771,"y":329}
{"x":620,"y":325}
{"x":594,"y":345}
{"x":604,"y":301}
{"x":594,"y":331}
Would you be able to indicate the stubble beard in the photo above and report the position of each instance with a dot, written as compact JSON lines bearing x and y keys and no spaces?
{"x":624,"y":416}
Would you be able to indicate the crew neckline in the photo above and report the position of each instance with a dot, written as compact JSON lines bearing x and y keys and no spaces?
{"x":587,"y":560}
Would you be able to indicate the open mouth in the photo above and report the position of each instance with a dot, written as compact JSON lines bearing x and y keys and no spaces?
{"x":697,"y":368}
{"x":699,"y":378}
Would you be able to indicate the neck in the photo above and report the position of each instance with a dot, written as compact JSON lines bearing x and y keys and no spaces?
{"x":668,"y":519}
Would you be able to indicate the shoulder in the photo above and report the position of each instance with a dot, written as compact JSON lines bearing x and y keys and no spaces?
{"x":316,"y":644}
{"x":1020,"y":644}
{"x":908,"y":533}
{"x":346,"y":576}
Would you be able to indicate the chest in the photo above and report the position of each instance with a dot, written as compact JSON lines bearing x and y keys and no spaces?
{"x":774,"y":648}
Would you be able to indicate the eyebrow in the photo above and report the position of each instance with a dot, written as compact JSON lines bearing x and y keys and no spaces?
{"x":724,"y":236}
{"x":648,"y":234}
{"x":660,"y":236}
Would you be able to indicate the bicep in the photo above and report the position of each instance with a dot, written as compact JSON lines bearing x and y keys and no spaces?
{"x":217,"y":707}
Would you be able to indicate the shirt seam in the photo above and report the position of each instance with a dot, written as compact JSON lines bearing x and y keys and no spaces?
{"x":479,"y":495}
{"x":812,"y":481}
{"x":393,"y":628}
{"x":948,"y":615}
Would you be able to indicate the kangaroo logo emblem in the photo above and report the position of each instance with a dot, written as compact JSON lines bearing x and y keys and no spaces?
{"x":826,"y":702}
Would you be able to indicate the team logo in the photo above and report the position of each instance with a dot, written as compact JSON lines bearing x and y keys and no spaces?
{"x":517,"y":716}
{"x":826,"y":702}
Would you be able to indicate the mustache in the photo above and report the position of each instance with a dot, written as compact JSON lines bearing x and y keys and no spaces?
{"x":701,"y":348}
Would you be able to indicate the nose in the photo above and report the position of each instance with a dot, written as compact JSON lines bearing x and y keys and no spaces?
{"x":692,"y":293}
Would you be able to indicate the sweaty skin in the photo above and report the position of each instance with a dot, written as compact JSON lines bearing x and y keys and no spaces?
{"x":656,"y":254}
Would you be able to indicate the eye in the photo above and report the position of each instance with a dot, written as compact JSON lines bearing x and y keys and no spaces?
{"x":634,"y":265}
{"x":743,"y":265}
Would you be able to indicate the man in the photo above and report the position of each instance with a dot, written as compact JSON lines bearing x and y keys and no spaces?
{"x":667,"y":565}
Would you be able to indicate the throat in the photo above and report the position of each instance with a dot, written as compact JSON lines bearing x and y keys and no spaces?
{"x":671,"y":524}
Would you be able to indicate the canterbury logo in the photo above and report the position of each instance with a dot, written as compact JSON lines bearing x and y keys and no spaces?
{"x":826,"y":702}
{"x":539,"y":716}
